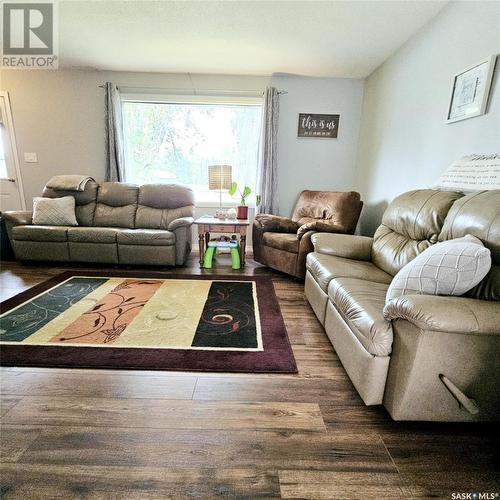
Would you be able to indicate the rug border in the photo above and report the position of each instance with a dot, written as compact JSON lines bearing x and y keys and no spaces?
{"x":274,"y":359}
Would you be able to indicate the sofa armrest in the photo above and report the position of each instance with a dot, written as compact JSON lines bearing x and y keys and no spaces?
{"x":182,"y":229}
{"x":275,"y":223}
{"x":446,"y":314}
{"x":18,"y":218}
{"x":320,"y":226}
{"x":180,"y":222}
{"x":343,"y":245}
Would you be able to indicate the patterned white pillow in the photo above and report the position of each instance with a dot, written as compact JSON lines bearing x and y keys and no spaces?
{"x":451,"y":267}
{"x":54,"y":211}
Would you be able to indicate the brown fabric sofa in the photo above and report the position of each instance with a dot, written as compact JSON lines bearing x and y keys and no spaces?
{"x":118,"y":223}
{"x":423,"y":357}
{"x":283,"y":243}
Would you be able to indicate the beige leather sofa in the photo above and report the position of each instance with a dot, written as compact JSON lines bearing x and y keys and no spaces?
{"x":423,"y":357}
{"x":118,"y":224}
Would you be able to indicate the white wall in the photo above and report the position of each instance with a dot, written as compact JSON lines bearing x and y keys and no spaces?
{"x":313,"y":163}
{"x":405,"y":142}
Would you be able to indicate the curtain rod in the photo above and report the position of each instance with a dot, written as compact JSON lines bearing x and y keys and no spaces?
{"x":184,"y":90}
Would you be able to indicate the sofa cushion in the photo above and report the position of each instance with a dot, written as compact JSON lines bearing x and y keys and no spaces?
{"x":158,"y":218}
{"x":339,"y":208}
{"x":282,"y":241}
{"x":451,"y":267}
{"x":40,"y":233}
{"x":160,"y":204}
{"x":478,"y":214}
{"x":92,"y":234}
{"x":85,"y":201}
{"x":150,"y":237}
{"x":410,"y":224}
{"x":324,"y":268}
{"x":361,"y":304}
{"x":116,"y":205}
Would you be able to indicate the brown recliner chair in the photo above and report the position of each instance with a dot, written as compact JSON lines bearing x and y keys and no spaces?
{"x":283,"y":243}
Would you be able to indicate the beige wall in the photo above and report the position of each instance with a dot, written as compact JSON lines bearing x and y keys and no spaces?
{"x":312,"y":163}
{"x":405,"y":142}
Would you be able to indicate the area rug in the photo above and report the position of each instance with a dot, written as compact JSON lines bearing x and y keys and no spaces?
{"x":147,"y":321}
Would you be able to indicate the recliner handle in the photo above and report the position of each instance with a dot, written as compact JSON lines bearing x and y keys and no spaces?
{"x":463,"y":400}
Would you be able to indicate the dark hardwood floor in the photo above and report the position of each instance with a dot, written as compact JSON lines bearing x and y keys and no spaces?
{"x":111,"y":434}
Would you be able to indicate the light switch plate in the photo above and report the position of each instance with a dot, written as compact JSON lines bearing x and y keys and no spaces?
{"x":30,"y":158}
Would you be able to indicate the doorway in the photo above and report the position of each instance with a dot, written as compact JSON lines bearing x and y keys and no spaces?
{"x":11,"y":186}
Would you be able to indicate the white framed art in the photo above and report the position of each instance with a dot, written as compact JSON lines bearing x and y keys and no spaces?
{"x":469,"y":95}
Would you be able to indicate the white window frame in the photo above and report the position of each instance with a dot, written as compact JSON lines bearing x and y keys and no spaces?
{"x":205,"y":98}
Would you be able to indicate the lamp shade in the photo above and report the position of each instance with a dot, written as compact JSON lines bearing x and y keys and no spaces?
{"x":219,"y":176}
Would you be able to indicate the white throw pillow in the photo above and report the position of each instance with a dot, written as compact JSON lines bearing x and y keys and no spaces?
{"x":471,"y":173}
{"x":54,"y":211}
{"x":451,"y":267}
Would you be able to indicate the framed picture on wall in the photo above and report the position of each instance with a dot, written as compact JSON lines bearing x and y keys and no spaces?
{"x":318,"y":125}
{"x":469,"y":95}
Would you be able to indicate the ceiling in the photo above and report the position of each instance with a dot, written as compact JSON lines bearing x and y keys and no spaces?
{"x":328,"y":39}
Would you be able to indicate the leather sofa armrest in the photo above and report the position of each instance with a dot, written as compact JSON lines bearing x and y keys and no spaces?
{"x":18,"y":218}
{"x":320,"y":226}
{"x":446,"y":314}
{"x":180,"y":222}
{"x":343,"y":245}
{"x":275,"y":223}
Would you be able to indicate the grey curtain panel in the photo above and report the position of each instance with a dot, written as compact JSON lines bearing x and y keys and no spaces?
{"x":268,"y":175}
{"x":115,"y":149}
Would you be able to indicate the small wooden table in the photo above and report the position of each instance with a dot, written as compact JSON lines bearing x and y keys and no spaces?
{"x":207,"y":225}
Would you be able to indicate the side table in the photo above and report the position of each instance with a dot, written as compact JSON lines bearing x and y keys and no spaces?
{"x":207,"y":225}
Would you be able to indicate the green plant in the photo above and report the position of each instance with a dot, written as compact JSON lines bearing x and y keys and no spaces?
{"x":247,"y":191}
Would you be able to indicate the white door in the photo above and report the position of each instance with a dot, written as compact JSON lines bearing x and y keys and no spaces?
{"x":11,"y":187}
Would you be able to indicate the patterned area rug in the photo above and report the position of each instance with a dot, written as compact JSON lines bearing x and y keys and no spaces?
{"x":147,"y":321}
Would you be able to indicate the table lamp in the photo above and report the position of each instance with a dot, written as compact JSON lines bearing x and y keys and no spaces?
{"x":219,"y":177}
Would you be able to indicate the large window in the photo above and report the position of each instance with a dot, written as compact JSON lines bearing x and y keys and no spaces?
{"x":176,"y":142}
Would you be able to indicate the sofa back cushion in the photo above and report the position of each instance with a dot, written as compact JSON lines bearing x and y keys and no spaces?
{"x":478,"y":214}
{"x":336,"y":207}
{"x":410,"y":224}
{"x":160,"y":204}
{"x":116,"y":205}
{"x":85,"y":201}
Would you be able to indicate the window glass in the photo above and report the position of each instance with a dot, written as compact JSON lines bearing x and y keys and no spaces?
{"x":175,"y":143}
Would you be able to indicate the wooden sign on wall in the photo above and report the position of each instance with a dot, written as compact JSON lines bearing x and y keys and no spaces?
{"x":315,"y":125}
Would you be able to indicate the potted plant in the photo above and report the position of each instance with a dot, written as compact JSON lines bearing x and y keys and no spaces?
{"x":242,"y":210}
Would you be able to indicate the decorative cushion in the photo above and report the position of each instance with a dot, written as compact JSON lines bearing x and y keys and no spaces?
{"x":472,"y":173}
{"x":452,"y":267}
{"x":54,"y":211}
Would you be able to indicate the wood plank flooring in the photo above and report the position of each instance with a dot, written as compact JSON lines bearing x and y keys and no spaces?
{"x":123,"y":434}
